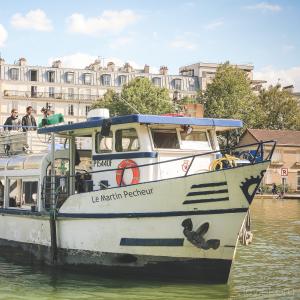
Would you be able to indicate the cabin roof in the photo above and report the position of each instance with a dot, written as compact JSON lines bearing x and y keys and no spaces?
{"x":219,"y":124}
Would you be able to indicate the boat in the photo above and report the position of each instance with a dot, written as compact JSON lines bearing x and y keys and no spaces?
{"x":137,"y":195}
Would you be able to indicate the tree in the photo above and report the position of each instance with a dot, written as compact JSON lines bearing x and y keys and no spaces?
{"x":138,"y":96}
{"x":229,"y":95}
{"x":277,"y":109}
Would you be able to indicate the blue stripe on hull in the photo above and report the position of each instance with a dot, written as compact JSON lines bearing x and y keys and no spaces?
{"x":152,"y":214}
{"x":207,"y":192}
{"x":206,"y":200}
{"x":211,"y":184}
{"x":125,"y":155}
{"x":151,"y":242}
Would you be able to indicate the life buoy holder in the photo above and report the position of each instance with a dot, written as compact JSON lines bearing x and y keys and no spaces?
{"x":128,"y":163}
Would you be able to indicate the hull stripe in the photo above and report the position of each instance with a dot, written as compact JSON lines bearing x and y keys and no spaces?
{"x":212,"y":184}
{"x":152,"y":214}
{"x":206,"y":200}
{"x":151,"y":242}
{"x":207,"y":192}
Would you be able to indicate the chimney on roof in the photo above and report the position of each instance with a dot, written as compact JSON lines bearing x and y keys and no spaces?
{"x":288,"y":88}
{"x":110,"y":66}
{"x":95,"y":66}
{"x":163,"y":70}
{"x":128,"y":68}
{"x":56,"y":64}
{"x":22,"y":61}
{"x":146,"y":69}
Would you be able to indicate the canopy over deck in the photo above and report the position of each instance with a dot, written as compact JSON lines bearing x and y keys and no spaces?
{"x":218,"y":124}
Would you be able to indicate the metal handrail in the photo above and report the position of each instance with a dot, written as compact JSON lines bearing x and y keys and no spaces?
{"x":64,"y":96}
{"x":225,"y":150}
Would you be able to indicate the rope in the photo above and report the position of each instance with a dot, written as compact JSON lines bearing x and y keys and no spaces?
{"x":245,"y":234}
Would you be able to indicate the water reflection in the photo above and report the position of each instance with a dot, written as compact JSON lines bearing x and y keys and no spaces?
{"x":269,"y":268}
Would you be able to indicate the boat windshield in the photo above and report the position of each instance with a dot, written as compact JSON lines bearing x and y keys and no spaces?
{"x":165,"y":138}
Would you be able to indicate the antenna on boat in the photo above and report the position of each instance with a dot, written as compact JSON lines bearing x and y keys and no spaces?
{"x":131,"y":106}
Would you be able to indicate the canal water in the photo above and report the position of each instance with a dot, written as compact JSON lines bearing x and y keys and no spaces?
{"x":267,"y":269}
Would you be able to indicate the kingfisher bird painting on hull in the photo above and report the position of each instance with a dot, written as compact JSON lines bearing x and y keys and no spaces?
{"x":132,"y":195}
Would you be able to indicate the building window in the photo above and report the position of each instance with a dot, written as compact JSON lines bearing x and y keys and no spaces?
{"x":176,"y":84}
{"x":15,"y":105}
{"x":50,"y":76}
{"x":70,"y":93}
{"x":87,"y":78}
{"x":33,"y":75}
{"x":71,"y":110}
{"x":69,"y":77}
{"x":298,"y":180}
{"x":105,"y":79}
{"x":33,"y":91}
{"x":156,"y":81}
{"x":87,"y":109}
{"x":51,"y":92}
{"x":192,"y":85}
{"x":126,"y":140}
{"x":122,"y":79}
{"x":14,"y":74}
{"x":70,"y":122}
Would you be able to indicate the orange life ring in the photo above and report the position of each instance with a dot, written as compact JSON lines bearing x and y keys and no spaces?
{"x":135,"y":172}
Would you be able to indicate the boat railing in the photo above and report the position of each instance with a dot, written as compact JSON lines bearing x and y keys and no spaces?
{"x":18,"y":139}
{"x":253,"y":153}
{"x":230,"y":157}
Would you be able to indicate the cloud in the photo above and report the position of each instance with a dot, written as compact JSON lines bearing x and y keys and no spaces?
{"x":213,"y":25}
{"x":288,"y":48}
{"x":264,"y":6}
{"x":283,"y":76}
{"x":182,"y":43}
{"x":109,"y":22}
{"x":34,"y":19}
{"x":81,"y":60}
{"x":3,"y":35}
{"x":120,"y":42}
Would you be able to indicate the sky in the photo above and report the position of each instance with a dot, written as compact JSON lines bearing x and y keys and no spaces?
{"x":172,"y":33}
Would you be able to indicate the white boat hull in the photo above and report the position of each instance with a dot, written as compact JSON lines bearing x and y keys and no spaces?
{"x":147,"y":229}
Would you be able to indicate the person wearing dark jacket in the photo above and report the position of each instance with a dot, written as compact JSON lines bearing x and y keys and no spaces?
{"x":28,"y":120}
{"x":13,"y":122}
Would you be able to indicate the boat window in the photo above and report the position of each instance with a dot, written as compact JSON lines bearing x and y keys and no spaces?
{"x":195,"y":140}
{"x":127,"y":140}
{"x":14,"y":192}
{"x":104,"y":143}
{"x":165,"y":138}
{"x":30,"y":189}
{"x":2,"y":182}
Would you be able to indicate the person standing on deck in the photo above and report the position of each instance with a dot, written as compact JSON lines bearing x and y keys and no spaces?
{"x":28,"y":120}
{"x":13,"y":122}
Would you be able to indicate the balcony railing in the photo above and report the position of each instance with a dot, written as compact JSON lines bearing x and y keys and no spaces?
{"x":45,"y":95}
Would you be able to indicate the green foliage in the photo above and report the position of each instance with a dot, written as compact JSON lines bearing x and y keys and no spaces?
{"x":229,"y":95}
{"x":277,"y":109}
{"x":139,"y":95}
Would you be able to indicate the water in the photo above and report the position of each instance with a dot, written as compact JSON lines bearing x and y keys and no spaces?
{"x":267,"y":269}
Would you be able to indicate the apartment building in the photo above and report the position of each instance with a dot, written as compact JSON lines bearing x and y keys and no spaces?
{"x":72,"y":91}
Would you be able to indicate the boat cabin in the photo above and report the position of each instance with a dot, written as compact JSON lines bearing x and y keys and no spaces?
{"x":105,"y":152}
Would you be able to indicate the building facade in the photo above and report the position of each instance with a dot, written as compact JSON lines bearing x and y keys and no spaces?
{"x":285,"y":156}
{"x":72,"y":91}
